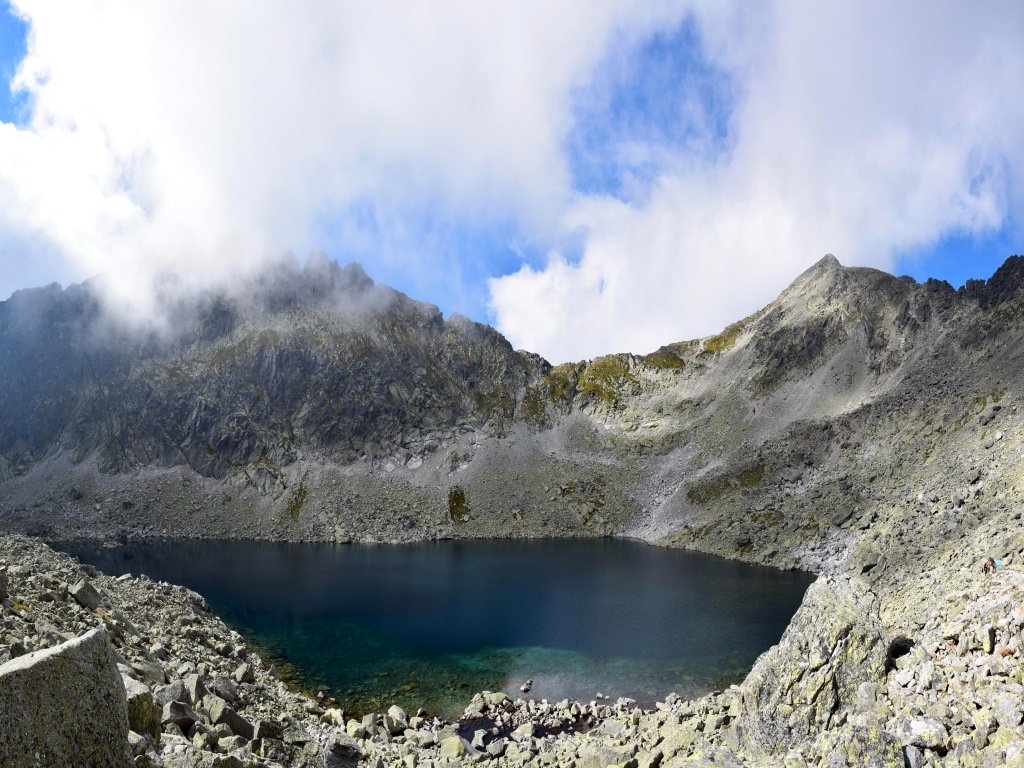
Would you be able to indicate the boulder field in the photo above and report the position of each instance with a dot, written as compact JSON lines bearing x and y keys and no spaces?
{"x":112,"y":667}
{"x":862,"y":426}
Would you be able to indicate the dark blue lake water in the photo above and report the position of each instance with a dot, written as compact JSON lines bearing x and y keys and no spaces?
{"x":427,"y":625}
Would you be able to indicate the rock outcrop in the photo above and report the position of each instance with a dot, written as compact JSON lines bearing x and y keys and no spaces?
{"x":833,"y":645}
{"x":64,"y":706}
{"x":148,"y":674}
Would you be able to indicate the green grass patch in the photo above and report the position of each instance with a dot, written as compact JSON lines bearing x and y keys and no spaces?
{"x":979,"y":405}
{"x":458,"y":507}
{"x":710,"y":490}
{"x":664,"y":360}
{"x":748,"y":478}
{"x":605,"y":378}
{"x":723,"y":341}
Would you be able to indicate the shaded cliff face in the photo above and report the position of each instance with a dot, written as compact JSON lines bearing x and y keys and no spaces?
{"x":312,"y":360}
{"x":854,"y":416}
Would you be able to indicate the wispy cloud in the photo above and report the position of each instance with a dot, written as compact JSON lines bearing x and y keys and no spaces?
{"x":864,"y":130}
{"x":199,"y":140}
{"x":595,"y":175}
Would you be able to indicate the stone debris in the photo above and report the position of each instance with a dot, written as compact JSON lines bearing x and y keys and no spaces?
{"x":85,"y":594}
{"x":860,"y":678}
{"x":182,"y":702}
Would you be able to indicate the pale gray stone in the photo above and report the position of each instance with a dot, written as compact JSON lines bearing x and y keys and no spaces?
{"x":85,"y":594}
{"x":144,"y":713}
{"x":64,"y":706}
{"x":244,"y":674}
{"x":395,"y":720}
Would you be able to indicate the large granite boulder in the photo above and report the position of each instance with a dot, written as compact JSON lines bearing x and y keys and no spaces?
{"x":797,"y":688}
{"x":64,"y":706}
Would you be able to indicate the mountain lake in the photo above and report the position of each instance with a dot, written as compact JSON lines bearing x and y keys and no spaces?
{"x":427,"y":625}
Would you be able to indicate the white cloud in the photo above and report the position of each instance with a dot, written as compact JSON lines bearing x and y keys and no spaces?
{"x":862,"y":130}
{"x":201,"y":138}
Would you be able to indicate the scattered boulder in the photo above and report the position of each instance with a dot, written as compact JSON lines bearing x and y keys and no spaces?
{"x":180,"y":714}
{"x":85,"y":594}
{"x":342,"y":752}
{"x":269,"y":729}
{"x":524,"y":732}
{"x":453,"y":747}
{"x":220,"y":712}
{"x":244,"y":674}
{"x":866,"y":748}
{"x":144,"y":714}
{"x":64,"y":706}
{"x":924,"y":733}
{"x":194,"y":688}
{"x":395,"y":720}
{"x":152,"y":673}
{"x":226,"y":688}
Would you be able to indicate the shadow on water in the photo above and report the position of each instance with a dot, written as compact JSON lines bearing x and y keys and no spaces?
{"x":426,"y":625}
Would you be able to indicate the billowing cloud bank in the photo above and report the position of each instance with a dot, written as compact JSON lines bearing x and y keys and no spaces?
{"x":861,"y":132}
{"x":203,"y":140}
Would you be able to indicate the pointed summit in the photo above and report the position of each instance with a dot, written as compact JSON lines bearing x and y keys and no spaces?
{"x":827,"y":264}
{"x":823,"y":272}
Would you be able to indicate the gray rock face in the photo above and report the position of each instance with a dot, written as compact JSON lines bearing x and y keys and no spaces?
{"x":180,"y":714}
{"x":315,"y":350}
{"x":830,"y":649}
{"x":64,"y":706}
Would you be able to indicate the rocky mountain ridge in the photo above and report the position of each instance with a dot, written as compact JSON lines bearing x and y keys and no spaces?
{"x":313,"y":404}
{"x":863,"y":426}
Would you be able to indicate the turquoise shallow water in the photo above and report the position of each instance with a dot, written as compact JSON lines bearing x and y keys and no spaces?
{"x":426,"y":625}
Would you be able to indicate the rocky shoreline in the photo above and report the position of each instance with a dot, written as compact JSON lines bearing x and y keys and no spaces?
{"x":840,"y":689}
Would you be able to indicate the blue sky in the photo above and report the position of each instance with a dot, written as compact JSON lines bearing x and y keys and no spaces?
{"x":646,"y":103}
{"x":588,"y":180}
{"x":957,"y":258}
{"x":12,"y":49}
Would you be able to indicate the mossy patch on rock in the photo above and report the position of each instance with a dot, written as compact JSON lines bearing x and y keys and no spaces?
{"x":606,"y":378}
{"x":296,"y":502}
{"x":723,"y":341}
{"x":704,"y":492}
{"x":532,"y":407}
{"x":664,"y":360}
{"x":458,"y":507}
{"x":561,"y":382}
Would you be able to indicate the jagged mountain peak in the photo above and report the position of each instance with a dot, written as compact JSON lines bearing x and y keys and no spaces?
{"x":827,"y":264}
